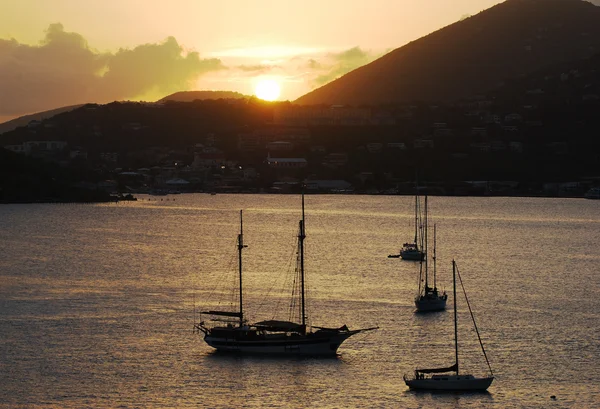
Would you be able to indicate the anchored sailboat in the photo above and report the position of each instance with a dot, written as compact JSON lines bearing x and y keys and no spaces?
{"x":429,"y":298}
{"x":274,"y":336}
{"x":411,"y":251}
{"x":440,"y":379}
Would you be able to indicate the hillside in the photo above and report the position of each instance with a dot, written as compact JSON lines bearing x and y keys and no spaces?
{"x":183,"y":96}
{"x":189,"y":96}
{"x":537,"y":129}
{"x":563,"y":85}
{"x":472,"y":56}
{"x":534,"y":131}
{"x":24,"y":120}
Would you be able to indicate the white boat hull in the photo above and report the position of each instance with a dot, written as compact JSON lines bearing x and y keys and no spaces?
{"x":450,"y":383}
{"x":309,"y":345}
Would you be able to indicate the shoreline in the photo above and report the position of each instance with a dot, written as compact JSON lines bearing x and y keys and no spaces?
{"x":135,"y":197}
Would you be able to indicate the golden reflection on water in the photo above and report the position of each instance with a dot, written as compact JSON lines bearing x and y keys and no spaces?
{"x":98,"y":300}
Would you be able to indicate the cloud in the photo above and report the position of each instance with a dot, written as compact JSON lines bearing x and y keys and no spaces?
{"x":64,"y":70}
{"x":257,"y":69}
{"x":334,"y":65}
{"x":314,"y":64}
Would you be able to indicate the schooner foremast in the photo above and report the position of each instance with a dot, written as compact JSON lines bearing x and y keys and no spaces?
{"x":241,"y":246}
{"x":301,"y":237}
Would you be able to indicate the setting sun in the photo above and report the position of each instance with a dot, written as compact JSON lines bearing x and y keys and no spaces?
{"x":267,"y":89}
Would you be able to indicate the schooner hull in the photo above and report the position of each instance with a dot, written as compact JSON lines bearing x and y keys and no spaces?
{"x":310,"y":345}
{"x":449,"y":384}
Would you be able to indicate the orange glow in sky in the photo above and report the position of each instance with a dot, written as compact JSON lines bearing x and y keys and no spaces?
{"x":55,"y":53}
{"x":267,"y":89}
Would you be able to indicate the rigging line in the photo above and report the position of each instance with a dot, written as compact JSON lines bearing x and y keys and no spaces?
{"x":434,"y":259}
{"x":194,"y":302}
{"x":285,"y":273}
{"x":291,"y":277}
{"x":308,"y":289}
{"x":223,"y":277}
{"x":229,"y":282}
{"x":422,"y":243}
{"x":426,"y":245}
{"x":233,"y":288}
{"x":473,"y":319}
{"x":292,"y":304}
{"x":296,"y":291}
{"x":271,"y":288}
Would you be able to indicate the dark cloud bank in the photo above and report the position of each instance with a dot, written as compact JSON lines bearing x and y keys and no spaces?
{"x":64,"y":70}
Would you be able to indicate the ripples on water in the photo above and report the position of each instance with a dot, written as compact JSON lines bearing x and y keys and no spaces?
{"x":97,"y":301}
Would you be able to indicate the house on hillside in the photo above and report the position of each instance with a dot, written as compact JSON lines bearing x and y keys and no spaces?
{"x":78,"y":153}
{"x":38,"y":148}
{"x":208,"y":157}
{"x":481,"y":146}
{"x":16,"y":148}
{"x":437,"y":132}
{"x":259,"y":138}
{"x":109,"y":157}
{"x":423,"y":143}
{"x":327,"y":185}
{"x":513,"y":117}
{"x":374,"y":147}
{"x":382,"y":117}
{"x":286,"y":163}
{"x":515,"y":146}
{"x":478,"y":131}
{"x":298,"y":115}
{"x":335,"y":159}
{"x":279,"y":146}
{"x":510,"y":128}
{"x":396,"y":145}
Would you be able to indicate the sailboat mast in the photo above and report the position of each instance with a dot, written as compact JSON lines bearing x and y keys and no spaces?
{"x":240,"y":247}
{"x":426,"y":248}
{"x":434,"y":259}
{"x":455,"y":315}
{"x":419,"y":229}
{"x":416,"y":218}
{"x":301,"y":237}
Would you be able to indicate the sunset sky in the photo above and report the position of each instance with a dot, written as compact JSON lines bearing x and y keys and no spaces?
{"x":63,"y":52}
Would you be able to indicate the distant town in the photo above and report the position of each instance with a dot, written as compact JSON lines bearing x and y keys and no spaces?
{"x":475,"y":147}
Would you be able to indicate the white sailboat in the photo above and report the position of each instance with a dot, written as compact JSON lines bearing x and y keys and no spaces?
{"x":273,"y":336}
{"x":428,"y":299}
{"x":439,"y":379}
{"x":411,"y":251}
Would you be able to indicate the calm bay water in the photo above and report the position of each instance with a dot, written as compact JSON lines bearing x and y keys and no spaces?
{"x":97,"y":301}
